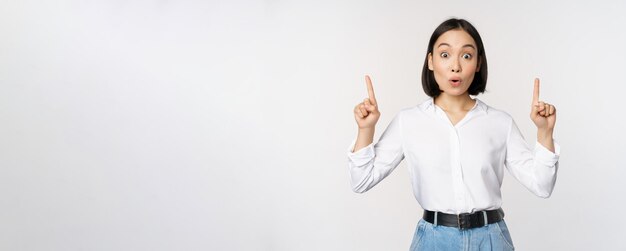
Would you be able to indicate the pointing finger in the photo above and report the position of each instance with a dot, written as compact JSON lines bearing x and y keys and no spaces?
{"x":536,"y":92}
{"x":370,"y":89}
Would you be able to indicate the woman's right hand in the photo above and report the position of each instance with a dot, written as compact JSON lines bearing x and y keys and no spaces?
{"x":366,"y":113}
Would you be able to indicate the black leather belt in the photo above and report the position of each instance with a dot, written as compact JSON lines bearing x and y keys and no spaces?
{"x":465,"y":220}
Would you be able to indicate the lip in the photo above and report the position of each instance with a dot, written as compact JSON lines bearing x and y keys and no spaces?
{"x":455,"y":81}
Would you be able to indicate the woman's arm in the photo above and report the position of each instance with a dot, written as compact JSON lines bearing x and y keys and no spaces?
{"x":364,"y":138}
{"x":544,"y":117}
{"x":544,"y":137}
{"x":366,"y":115}
{"x":535,"y":169}
{"x":370,"y":163}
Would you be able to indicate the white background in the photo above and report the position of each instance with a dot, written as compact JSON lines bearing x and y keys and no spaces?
{"x":224,"y":125}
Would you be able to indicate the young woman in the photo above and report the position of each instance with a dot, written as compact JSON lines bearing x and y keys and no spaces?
{"x":457,"y":147}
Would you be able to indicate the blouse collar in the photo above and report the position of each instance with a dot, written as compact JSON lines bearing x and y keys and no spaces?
{"x":429,"y":105}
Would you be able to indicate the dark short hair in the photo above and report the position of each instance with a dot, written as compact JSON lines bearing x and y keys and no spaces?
{"x":480,"y":78}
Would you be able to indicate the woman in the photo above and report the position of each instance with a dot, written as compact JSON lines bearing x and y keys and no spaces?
{"x":457,"y":147}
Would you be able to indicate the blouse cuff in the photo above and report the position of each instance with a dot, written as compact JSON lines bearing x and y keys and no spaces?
{"x":546,"y":156}
{"x":363,"y":155}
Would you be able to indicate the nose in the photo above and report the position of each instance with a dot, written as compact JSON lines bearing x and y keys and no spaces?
{"x":456,"y":67}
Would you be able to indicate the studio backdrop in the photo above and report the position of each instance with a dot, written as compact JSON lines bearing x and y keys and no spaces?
{"x":225,"y":125}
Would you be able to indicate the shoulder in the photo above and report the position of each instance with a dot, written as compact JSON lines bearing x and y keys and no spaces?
{"x":415,"y":110}
{"x":494,"y":112}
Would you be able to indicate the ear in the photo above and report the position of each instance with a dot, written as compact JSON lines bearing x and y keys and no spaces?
{"x":480,"y":61}
{"x":430,"y":61}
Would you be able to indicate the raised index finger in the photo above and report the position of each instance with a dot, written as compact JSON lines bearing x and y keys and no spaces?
{"x":370,"y":89}
{"x":536,"y":92}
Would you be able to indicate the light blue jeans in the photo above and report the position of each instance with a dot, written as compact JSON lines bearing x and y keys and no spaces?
{"x":494,"y":236}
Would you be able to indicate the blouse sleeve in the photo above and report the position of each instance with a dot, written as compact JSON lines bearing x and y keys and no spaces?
{"x":371,"y":164}
{"x":536,"y":169}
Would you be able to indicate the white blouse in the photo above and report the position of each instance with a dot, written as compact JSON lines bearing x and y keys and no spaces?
{"x":455,"y":168}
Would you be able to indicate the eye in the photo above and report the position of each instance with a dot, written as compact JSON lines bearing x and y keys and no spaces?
{"x":444,"y":54}
{"x":467,"y":56}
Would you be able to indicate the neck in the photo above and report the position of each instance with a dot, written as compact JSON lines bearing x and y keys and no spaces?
{"x":454,"y":103}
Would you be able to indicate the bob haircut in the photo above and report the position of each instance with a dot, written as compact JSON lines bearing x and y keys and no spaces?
{"x":480,"y":78}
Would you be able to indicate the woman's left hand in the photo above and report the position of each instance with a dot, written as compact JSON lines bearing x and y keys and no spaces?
{"x":542,"y":113}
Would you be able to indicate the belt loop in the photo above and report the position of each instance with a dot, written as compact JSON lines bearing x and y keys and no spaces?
{"x":436,"y":218}
{"x":485,"y":216}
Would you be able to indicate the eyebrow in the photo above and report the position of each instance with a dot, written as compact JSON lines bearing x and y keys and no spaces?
{"x":467,"y":45}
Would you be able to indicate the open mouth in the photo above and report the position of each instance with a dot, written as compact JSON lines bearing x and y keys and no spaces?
{"x":455,"y":81}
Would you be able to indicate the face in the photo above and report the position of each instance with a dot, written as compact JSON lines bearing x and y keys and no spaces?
{"x":454,"y":61}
